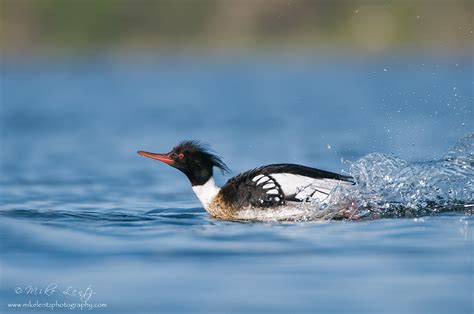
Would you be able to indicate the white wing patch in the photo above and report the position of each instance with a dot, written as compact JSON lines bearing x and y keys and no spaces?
{"x":272,"y":192}
{"x":270,"y":187}
{"x":302,"y":187}
{"x":258,"y":177}
{"x":280,"y":186}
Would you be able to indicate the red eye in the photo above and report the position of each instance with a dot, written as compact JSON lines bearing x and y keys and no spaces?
{"x":181,"y":156}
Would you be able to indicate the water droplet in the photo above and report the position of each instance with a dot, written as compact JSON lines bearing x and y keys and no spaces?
{"x":329,"y":146}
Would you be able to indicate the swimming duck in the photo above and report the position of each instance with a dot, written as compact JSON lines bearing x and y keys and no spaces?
{"x":267,"y":192}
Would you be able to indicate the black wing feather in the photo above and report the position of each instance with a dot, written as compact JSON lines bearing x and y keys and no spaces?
{"x":243,"y":190}
{"x":301,"y":170}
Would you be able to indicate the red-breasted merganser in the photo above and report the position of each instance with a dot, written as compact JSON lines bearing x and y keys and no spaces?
{"x":267,"y":192}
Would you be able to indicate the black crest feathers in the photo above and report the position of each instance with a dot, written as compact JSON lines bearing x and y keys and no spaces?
{"x":196,"y":147}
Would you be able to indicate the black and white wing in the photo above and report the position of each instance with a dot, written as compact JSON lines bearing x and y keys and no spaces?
{"x":273,"y":185}
{"x":253,"y":189}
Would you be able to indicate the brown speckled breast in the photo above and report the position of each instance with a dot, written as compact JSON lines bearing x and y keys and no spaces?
{"x":222,"y":210}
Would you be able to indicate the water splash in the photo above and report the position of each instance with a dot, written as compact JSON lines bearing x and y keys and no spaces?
{"x":388,"y":186}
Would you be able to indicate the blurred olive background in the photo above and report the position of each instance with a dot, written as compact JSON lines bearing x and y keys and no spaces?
{"x":115,"y":27}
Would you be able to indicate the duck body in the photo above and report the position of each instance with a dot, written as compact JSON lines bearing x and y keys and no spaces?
{"x":272,"y":192}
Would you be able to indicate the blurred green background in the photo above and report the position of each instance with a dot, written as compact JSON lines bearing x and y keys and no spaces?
{"x":44,"y":27}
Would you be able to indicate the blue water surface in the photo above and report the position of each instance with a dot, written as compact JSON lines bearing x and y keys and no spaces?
{"x":85,"y":220}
